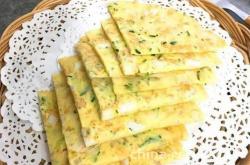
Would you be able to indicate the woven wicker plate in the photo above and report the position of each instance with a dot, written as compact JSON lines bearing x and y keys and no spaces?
{"x":238,"y":32}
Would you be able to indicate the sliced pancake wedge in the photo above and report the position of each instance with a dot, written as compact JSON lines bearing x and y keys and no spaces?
{"x":92,"y":63}
{"x":152,"y":29}
{"x":81,"y":90}
{"x":130,"y":84}
{"x":112,"y":105}
{"x":121,"y":149}
{"x":132,"y":65}
{"x":96,"y":131}
{"x":105,"y":51}
{"x":71,"y":126}
{"x":177,"y":62}
{"x":52,"y":126}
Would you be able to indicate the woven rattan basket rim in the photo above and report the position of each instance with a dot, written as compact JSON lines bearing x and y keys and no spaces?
{"x":239,"y":33}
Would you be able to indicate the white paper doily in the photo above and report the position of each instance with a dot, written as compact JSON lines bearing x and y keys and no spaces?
{"x":19,"y":144}
{"x":32,"y":58}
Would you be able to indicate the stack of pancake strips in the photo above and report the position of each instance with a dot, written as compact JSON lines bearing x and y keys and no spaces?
{"x":134,"y":83}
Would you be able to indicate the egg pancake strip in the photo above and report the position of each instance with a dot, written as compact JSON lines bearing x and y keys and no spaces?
{"x":121,"y":149}
{"x":71,"y":127}
{"x":132,"y":65}
{"x":130,"y":84}
{"x":96,"y":131}
{"x":52,"y":125}
{"x":152,"y":29}
{"x":105,"y":51}
{"x":80,"y":88}
{"x":112,"y":105}
{"x":92,"y":63}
